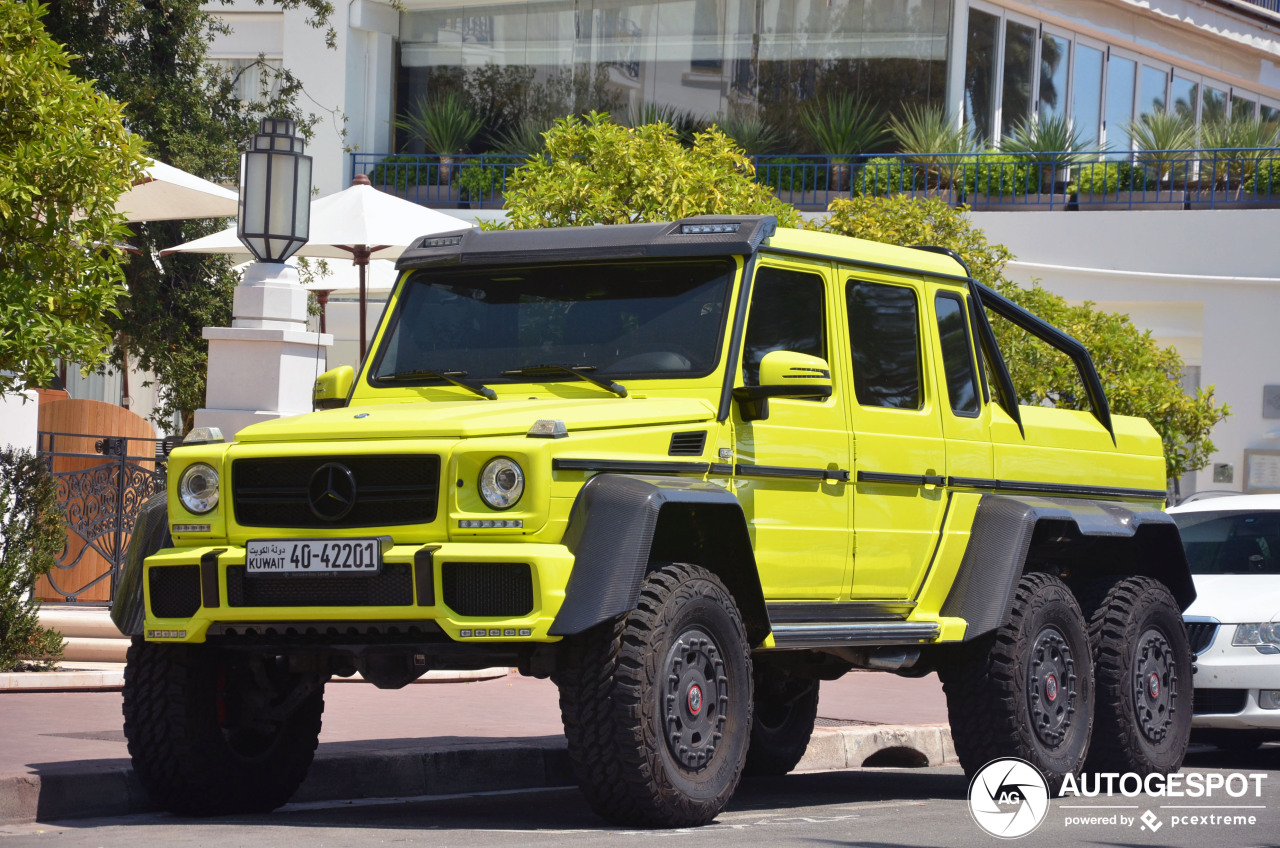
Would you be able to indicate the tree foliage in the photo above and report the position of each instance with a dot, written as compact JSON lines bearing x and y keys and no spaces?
{"x":1141,"y":378}
{"x":31,"y":536}
{"x":595,"y":171}
{"x":152,"y":54}
{"x":67,"y":159}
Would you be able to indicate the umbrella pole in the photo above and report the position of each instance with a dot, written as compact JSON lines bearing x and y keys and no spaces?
{"x":361,"y":258}
{"x":322,"y":299}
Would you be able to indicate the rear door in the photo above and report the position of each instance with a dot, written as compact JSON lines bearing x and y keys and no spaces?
{"x":899,"y":451}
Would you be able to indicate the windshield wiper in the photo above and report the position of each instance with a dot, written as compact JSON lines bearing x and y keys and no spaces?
{"x":572,"y":370}
{"x":454,"y":377}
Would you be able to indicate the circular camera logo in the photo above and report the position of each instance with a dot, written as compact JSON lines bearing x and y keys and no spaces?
{"x":1008,"y":798}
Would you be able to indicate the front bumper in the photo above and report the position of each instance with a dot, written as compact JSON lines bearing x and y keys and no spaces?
{"x":187,"y":591}
{"x":1227,"y":681}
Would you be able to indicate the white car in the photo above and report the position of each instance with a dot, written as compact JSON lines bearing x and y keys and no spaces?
{"x":1233,"y":546}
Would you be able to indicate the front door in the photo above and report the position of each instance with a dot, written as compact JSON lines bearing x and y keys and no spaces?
{"x":790,"y":468}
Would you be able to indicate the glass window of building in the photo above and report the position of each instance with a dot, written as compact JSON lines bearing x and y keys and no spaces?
{"x":1242,"y":107}
{"x":1019,"y":68}
{"x":1119,"y":108}
{"x":1186,"y":98}
{"x":1086,"y":92}
{"x":1055,"y":53}
{"x":1152,"y":94}
{"x":980,"y":73}
{"x":1214,"y":107}
{"x":1269,"y":113}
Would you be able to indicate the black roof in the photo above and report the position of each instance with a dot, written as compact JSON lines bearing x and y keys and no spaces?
{"x":689,"y":237}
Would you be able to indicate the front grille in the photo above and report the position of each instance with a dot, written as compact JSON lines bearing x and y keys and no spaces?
{"x":175,"y":590}
{"x":392,"y":588}
{"x":687,"y":444}
{"x":1200,"y":635}
{"x":488,"y":588}
{"x":1218,"y":701}
{"x":389,"y":490}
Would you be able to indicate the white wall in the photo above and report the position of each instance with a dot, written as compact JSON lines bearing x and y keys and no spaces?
{"x":19,"y":418}
{"x":1203,"y":281}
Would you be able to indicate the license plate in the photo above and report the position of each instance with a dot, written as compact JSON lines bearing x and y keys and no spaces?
{"x":313,"y":556}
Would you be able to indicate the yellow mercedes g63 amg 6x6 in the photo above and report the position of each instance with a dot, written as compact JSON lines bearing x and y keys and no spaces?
{"x":687,"y":470}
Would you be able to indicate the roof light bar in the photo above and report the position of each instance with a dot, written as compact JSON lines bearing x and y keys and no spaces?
{"x":703,"y":229}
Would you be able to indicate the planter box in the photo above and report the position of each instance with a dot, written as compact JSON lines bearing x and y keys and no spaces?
{"x":1015,"y":202}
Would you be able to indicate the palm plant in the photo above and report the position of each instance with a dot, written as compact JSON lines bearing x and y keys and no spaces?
{"x":445,"y":126}
{"x":924,"y":132}
{"x":1238,"y":147}
{"x":752,"y":133}
{"x":1050,"y":142}
{"x":1156,"y":134}
{"x":683,"y":122}
{"x":523,"y":139}
{"x":842,"y":126}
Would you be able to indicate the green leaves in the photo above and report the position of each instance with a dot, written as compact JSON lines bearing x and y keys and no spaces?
{"x":1141,"y":378}
{"x":594,"y":171}
{"x":68,"y":158}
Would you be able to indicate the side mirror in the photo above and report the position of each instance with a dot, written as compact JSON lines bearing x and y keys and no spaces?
{"x":332,"y":387}
{"x":784,"y":373}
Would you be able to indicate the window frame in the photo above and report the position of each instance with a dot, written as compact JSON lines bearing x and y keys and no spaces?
{"x":966,"y":323}
{"x":921,"y":370}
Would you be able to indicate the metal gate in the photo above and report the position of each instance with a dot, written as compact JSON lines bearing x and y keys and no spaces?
{"x":100,"y":502}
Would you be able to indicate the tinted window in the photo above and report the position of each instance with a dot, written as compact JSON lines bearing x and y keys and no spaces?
{"x":884,"y":335}
{"x":957,"y":354}
{"x":633,"y":318}
{"x":786,"y":314}
{"x":1231,"y":542}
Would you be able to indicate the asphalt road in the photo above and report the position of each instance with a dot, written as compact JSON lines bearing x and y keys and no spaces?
{"x":876,"y":807}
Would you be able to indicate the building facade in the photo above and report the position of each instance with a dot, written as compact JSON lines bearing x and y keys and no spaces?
{"x":1200,"y":280}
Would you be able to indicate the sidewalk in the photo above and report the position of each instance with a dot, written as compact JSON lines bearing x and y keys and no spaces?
{"x":63,"y":754}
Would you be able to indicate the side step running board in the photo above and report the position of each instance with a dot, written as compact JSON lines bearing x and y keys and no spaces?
{"x":873,"y":633}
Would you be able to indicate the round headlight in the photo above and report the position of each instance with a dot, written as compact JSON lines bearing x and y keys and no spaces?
{"x":501,"y":483}
{"x":198,"y":488}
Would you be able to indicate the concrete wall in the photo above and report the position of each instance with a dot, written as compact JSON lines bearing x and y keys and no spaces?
{"x":1204,"y":282}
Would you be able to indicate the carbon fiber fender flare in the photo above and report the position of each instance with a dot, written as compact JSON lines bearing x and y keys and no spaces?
{"x":1002,"y":535}
{"x":620,"y":523}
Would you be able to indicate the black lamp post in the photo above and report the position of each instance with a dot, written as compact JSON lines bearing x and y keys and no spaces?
{"x":275,"y":193}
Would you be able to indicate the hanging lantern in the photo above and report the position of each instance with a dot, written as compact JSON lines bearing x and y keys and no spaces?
{"x":275,"y":193}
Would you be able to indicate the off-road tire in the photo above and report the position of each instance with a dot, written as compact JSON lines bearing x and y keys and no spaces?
{"x":641,"y":757}
{"x":1142,"y":668}
{"x":785,"y":709}
{"x":188,"y":763}
{"x":1000,"y":700}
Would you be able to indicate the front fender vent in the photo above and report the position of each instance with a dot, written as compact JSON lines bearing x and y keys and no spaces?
{"x":688,"y":444}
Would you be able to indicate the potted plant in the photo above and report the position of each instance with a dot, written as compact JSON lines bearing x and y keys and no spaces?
{"x":1051,"y":143}
{"x":752,"y":133}
{"x":1231,"y":154}
{"x":939,"y":145}
{"x":841,"y":126}
{"x":1164,"y":141}
{"x":445,"y":125}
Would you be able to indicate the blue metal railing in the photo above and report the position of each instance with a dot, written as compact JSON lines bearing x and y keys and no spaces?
{"x":1230,"y":178}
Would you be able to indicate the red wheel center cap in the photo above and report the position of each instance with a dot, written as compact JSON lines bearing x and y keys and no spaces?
{"x":1153,"y":685}
{"x":695,"y":699}
{"x":1051,"y":687}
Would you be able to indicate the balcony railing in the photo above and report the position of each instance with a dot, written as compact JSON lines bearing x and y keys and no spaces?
{"x":1168,"y":179}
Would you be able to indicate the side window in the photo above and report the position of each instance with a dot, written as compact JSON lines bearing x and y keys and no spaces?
{"x":957,"y":354}
{"x":787,"y":313}
{"x":884,"y":335}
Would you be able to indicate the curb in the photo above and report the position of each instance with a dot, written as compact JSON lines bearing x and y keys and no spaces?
{"x":84,"y":790}
{"x":111,"y":677}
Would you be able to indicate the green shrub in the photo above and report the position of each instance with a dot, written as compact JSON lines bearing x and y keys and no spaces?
{"x":31,"y":536}
{"x":1264,"y":182}
{"x":883,"y":176}
{"x":404,"y":172}
{"x":793,"y":173}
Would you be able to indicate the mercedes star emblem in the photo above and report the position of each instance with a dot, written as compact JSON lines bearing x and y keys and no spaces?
{"x":332,"y":491}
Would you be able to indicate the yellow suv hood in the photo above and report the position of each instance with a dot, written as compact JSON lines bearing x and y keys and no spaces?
{"x":468,"y":418}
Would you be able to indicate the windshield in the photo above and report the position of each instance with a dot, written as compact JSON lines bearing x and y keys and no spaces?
{"x":1231,"y":542}
{"x":623,"y":319}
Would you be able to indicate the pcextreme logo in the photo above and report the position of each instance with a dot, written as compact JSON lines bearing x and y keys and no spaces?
{"x":1008,"y":798}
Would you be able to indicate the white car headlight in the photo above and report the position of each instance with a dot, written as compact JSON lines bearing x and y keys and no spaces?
{"x":198,"y":488}
{"x":501,"y":483}
{"x":1264,"y":636}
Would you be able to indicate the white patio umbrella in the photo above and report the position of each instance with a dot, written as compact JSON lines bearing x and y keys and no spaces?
{"x":358,"y":223}
{"x":167,"y":193}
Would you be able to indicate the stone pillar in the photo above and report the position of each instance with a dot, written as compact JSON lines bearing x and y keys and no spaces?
{"x":264,"y":365}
